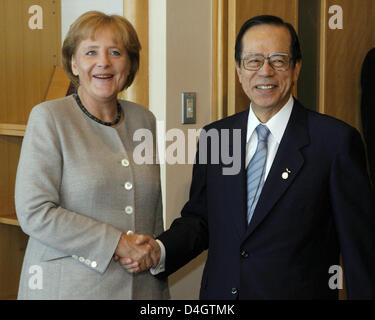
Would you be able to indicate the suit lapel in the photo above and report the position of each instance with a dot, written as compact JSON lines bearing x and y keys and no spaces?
{"x":237,"y":183}
{"x":289,"y":160}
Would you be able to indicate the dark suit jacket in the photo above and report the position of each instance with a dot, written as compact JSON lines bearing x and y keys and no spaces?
{"x":300,"y":224}
{"x":368,"y":108}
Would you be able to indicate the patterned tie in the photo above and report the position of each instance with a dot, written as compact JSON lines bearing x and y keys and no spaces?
{"x":256,"y":170}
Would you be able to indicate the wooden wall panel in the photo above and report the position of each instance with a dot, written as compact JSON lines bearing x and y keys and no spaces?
{"x":342,"y":57}
{"x":27,"y":61}
{"x":219,"y":59}
{"x":12,"y":249}
{"x":27,"y":57}
{"x":12,"y":239}
{"x":136,"y":11}
{"x":10,"y":148}
{"x":240,"y":11}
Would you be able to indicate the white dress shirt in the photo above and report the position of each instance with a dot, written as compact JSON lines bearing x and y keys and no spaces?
{"x":161,"y":265}
{"x":277,"y":125}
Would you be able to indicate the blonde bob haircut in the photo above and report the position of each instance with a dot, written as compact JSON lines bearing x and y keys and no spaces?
{"x":86,"y":26}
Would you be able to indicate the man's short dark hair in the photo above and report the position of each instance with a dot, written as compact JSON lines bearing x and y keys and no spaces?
{"x":295,"y":48}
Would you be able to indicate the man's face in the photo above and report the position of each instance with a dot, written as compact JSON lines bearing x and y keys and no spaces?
{"x":268,"y":89}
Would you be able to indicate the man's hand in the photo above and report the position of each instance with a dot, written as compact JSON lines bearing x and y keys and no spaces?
{"x":137,"y":252}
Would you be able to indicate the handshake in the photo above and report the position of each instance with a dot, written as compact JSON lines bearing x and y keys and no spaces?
{"x":137,"y":252}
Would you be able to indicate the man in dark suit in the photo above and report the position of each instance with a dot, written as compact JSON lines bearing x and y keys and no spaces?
{"x":302,"y":195}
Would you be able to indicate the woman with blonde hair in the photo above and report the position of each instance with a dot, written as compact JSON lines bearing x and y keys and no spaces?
{"x":79,"y":194}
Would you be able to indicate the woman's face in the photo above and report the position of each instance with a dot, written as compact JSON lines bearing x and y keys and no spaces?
{"x":102,"y":66}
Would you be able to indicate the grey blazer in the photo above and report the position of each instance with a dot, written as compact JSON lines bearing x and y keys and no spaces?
{"x":77,"y":189}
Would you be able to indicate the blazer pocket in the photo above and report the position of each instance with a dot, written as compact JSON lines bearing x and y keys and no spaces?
{"x":50,"y":254}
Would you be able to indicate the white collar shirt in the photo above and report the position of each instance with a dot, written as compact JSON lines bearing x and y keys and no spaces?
{"x":277,"y":125}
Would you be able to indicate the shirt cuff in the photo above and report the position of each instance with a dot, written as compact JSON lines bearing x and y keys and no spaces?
{"x":161,"y":265}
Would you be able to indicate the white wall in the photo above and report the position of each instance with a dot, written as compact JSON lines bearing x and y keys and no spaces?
{"x":180,"y":62}
{"x":158,"y":71}
{"x":72,"y":9}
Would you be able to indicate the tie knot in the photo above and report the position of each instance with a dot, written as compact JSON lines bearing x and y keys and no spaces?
{"x":262,"y":132}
